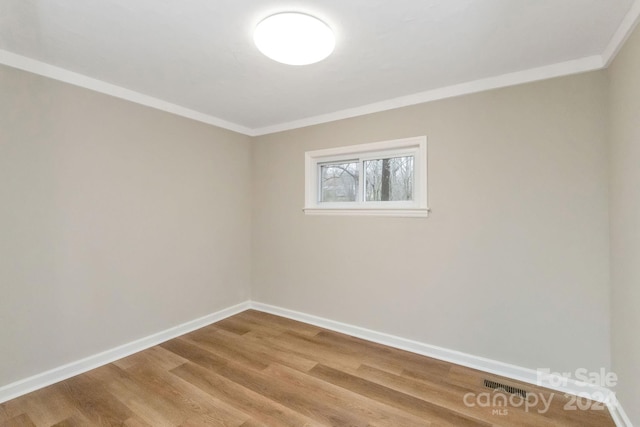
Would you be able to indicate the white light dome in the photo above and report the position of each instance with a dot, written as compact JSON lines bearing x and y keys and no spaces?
{"x":294,"y":38}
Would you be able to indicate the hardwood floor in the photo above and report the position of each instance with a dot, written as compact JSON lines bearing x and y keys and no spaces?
{"x":256,"y":369}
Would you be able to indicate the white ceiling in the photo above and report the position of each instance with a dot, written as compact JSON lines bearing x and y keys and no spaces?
{"x":197,"y":58}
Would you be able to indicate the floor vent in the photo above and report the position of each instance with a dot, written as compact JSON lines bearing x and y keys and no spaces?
{"x":497,"y":386}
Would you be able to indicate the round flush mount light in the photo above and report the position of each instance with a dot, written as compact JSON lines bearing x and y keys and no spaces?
{"x":294,"y":38}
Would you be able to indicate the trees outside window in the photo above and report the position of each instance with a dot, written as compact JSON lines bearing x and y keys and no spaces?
{"x":382,"y":178}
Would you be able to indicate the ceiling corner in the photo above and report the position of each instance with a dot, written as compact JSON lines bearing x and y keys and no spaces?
{"x":628,"y":24}
{"x":56,"y":73}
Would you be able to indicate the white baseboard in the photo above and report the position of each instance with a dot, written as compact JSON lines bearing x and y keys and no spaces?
{"x":617,"y":413}
{"x":27,"y":385}
{"x":507,"y":370}
{"x":44,"y":379}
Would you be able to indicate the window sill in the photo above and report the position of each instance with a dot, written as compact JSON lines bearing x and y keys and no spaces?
{"x":407,"y":213}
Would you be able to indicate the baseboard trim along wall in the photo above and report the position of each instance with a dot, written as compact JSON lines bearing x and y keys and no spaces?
{"x":619,"y":416}
{"x":518,"y":373}
{"x":526,"y":375}
{"x":44,"y":379}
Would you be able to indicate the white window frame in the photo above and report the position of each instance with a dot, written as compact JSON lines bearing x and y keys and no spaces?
{"x":416,"y":147}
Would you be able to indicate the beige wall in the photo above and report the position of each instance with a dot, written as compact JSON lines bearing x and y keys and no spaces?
{"x":116,"y":221}
{"x":119,"y":221}
{"x":511,"y":265}
{"x":624,"y":76}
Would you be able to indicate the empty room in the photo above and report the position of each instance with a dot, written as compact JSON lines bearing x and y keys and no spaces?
{"x":320,"y":213}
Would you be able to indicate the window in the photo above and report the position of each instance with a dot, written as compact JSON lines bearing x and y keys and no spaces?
{"x":382,"y":178}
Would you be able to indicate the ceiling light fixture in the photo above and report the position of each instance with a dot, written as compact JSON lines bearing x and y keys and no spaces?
{"x":294,"y":38}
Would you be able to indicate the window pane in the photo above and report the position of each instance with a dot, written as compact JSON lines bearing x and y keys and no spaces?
{"x":389,"y":179}
{"x":339,"y":182}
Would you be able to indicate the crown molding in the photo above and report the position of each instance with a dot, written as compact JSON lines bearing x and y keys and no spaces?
{"x":621,"y":35}
{"x":37,"y":67}
{"x":582,"y":65}
{"x":590,"y":63}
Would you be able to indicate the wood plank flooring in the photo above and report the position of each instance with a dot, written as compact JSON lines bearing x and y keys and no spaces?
{"x":256,"y":369}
